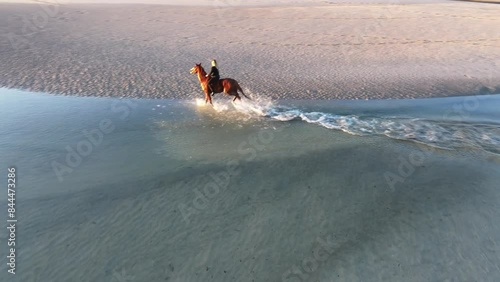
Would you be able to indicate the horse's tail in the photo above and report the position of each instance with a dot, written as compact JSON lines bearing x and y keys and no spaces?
{"x":241,"y":90}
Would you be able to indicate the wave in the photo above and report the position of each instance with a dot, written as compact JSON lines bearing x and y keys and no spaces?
{"x":443,"y":134}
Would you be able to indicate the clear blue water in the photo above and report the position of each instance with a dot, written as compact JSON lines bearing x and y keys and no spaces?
{"x":110,"y":188}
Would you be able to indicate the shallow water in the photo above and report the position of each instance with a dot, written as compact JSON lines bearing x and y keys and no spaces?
{"x":169,"y":190}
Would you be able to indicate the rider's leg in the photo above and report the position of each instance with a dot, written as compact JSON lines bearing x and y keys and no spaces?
{"x":210,"y":82}
{"x":216,"y":83}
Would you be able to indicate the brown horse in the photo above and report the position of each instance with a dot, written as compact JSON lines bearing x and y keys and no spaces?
{"x":226,"y":85}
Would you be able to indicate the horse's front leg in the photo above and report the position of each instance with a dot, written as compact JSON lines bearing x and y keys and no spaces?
{"x":208,"y":98}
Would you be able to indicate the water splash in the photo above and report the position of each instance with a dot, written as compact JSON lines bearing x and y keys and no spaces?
{"x":437,"y":133}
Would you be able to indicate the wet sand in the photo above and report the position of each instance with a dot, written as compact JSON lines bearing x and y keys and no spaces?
{"x":304,"y":50}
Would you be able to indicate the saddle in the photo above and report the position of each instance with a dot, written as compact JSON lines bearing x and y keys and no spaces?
{"x":217,"y":86}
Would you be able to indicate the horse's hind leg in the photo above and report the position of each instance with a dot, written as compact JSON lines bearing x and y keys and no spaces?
{"x":236,"y":96}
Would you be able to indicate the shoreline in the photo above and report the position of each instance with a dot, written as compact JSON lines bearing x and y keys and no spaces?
{"x":226,"y":99}
{"x":223,"y":97}
{"x":285,"y":52}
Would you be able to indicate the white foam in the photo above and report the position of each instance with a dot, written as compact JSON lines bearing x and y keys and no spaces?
{"x":446,"y":135}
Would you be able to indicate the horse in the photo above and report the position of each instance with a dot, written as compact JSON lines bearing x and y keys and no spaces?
{"x":226,"y":85}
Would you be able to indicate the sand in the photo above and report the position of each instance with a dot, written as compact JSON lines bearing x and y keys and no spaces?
{"x":297,"y":49}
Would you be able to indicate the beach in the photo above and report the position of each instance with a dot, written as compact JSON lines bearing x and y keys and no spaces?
{"x":292,"y":50}
{"x":369,"y":150}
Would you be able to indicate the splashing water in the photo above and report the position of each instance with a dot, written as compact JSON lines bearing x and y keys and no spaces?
{"x":437,"y":133}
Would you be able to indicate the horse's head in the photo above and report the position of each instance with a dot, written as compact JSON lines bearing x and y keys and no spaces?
{"x":196,"y":69}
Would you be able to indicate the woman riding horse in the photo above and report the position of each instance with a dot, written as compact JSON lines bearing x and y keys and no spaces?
{"x":213,"y":77}
{"x":226,"y":85}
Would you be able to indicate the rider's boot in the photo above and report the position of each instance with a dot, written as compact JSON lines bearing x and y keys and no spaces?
{"x":211,"y":90}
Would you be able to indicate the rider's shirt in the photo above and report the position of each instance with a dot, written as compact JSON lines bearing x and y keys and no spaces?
{"x":214,"y":72}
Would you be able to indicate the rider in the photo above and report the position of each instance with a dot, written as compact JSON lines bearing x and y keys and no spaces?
{"x":213,"y":77}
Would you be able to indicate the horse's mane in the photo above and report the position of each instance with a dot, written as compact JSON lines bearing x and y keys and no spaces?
{"x":202,"y":70}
